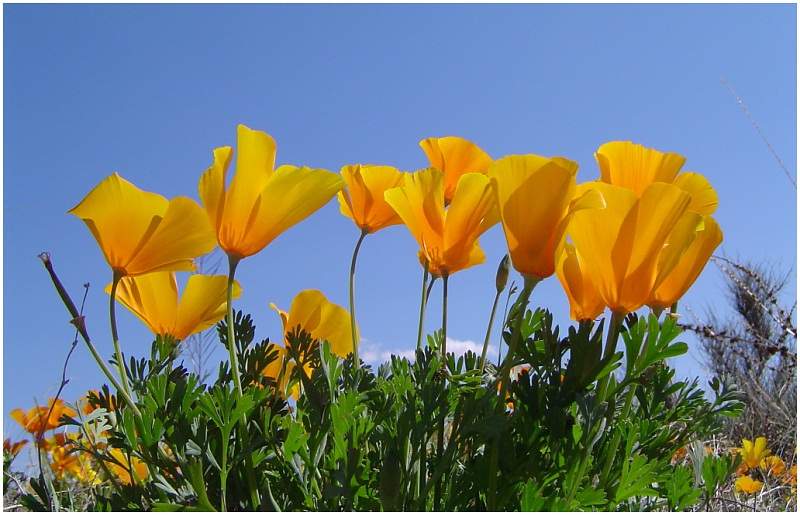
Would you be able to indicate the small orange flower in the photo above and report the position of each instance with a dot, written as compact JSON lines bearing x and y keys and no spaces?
{"x":109,"y":404}
{"x":773,"y":465}
{"x":64,"y":462}
{"x":753,"y":452}
{"x":36,"y":421}
{"x":748,"y":485}
{"x":679,"y":455}
{"x":13,"y":448}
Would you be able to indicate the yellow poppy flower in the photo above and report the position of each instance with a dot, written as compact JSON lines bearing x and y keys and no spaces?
{"x":320,"y":318}
{"x":153,"y":298}
{"x":36,"y":421}
{"x":448,"y":238}
{"x":686,"y":253}
{"x":261,"y":202}
{"x":280,"y":370}
{"x":747,"y":485}
{"x":753,"y":452}
{"x":773,"y":465}
{"x":454,"y":157}
{"x":620,"y":244}
{"x":635,"y":167}
{"x":122,"y":467}
{"x":64,"y":462}
{"x":535,"y":199}
{"x":141,"y":232}
{"x":585,"y":302}
{"x":362,"y":200}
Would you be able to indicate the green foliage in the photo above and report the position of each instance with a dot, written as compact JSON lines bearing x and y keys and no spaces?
{"x":362,"y":440}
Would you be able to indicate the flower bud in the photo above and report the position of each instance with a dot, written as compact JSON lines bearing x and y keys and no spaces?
{"x":502,"y":274}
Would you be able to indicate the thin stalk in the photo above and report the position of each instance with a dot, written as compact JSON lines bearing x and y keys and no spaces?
{"x":112,"y":309}
{"x":437,"y":495}
{"x":489,"y":331}
{"x":524,"y":297}
{"x":356,"y":361}
{"x":422,"y":304}
{"x":614,"y":326}
{"x":237,"y":380}
{"x":505,"y":319}
{"x":79,"y":322}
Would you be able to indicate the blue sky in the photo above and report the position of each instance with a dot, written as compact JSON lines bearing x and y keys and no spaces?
{"x":148,"y":91}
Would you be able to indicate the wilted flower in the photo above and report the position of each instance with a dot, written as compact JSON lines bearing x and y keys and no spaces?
{"x":447,"y":238}
{"x":454,"y":157}
{"x":535,"y":200}
{"x":153,"y":298}
{"x":362,"y":200}
{"x":262,"y":202}
{"x":747,"y":485}
{"x":36,"y":420}
{"x":141,"y":232}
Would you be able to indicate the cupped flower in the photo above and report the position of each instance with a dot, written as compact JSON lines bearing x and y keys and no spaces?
{"x":688,"y":249}
{"x":620,"y":244}
{"x":753,"y":452}
{"x":447,"y":237}
{"x":585,"y":302}
{"x":323,"y":320}
{"x":362,"y":200}
{"x":635,"y":167}
{"x":36,"y":420}
{"x":262,"y":202}
{"x":141,"y":232}
{"x":153,"y":298}
{"x":454,"y":157}
{"x":536,"y":197}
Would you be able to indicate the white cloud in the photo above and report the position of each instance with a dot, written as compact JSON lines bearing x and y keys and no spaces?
{"x":376,"y":353}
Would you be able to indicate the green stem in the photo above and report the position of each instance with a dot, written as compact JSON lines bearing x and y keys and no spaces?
{"x":422,"y":304}
{"x":503,"y":326}
{"x":437,"y":490}
{"x":524,"y":297}
{"x":237,"y":380}
{"x":80,"y":325}
{"x":489,"y":331}
{"x":614,"y":326}
{"x":114,"y":335}
{"x":356,"y":361}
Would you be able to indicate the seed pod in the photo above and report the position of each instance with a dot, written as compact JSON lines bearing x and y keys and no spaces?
{"x":502,"y":274}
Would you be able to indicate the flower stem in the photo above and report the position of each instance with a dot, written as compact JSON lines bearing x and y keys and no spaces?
{"x":489,"y":331}
{"x":503,"y":377}
{"x":437,"y":490}
{"x":112,"y":309}
{"x":614,"y":326}
{"x":80,"y":325}
{"x":255,"y":498}
{"x":237,"y":380}
{"x":356,"y":361}
{"x":422,"y":306}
